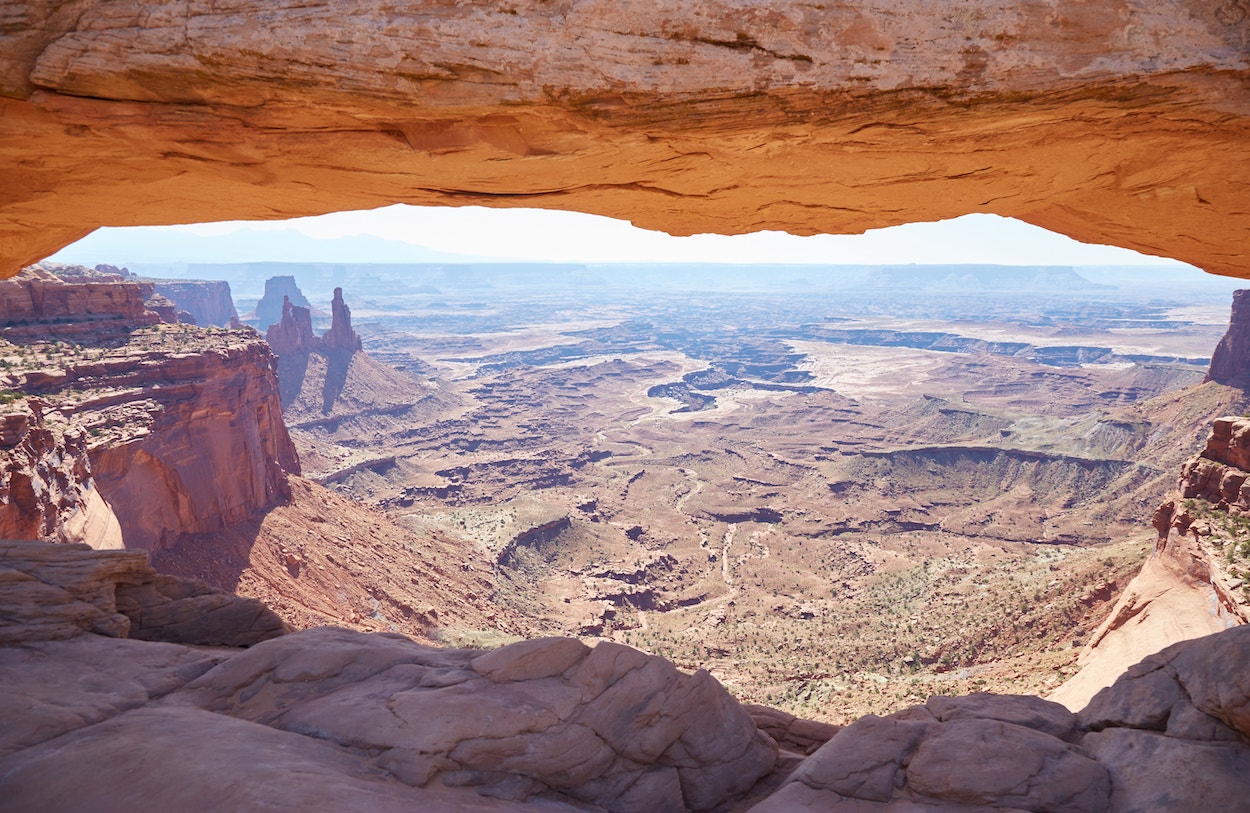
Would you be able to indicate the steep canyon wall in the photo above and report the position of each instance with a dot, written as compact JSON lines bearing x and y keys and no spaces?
{"x":1114,"y":122}
{"x":134,"y":432}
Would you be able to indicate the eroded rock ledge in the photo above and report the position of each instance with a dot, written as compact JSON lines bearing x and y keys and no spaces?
{"x":1113,"y":122}
{"x":329,"y":719}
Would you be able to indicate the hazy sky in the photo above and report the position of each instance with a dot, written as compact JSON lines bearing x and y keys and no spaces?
{"x":535,"y":234}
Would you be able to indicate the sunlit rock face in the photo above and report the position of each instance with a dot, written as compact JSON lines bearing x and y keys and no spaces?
{"x":1114,"y":122}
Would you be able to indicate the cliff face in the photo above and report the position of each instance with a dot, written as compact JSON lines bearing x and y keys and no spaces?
{"x":278,"y":291}
{"x":209,"y":301}
{"x":1197,"y":581}
{"x":202,"y":445}
{"x":47,"y":491}
{"x":1230,"y":363}
{"x":38,"y":305}
{"x":150,"y":430}
{"x":706,"y":116}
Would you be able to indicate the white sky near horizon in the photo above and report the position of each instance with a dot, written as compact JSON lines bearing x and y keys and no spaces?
{"x":554,"y":236}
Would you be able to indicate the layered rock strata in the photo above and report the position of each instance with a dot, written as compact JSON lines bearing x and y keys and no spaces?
{"x":208,"y":301}
{"x":328,"y":719}
{"x":157,"y":430}
{"x":1112,"y":122}
{"x":40,"y":305}
{"x":1196,"y":580}
{"x":47,"y":490}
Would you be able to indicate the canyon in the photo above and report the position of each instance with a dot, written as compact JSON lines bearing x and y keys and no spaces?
{"x":527,"y":541}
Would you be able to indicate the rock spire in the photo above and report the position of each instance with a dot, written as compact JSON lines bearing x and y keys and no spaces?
{"x":1230,"y":363}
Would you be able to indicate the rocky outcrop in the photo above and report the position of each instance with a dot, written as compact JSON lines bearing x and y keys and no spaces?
{"x":669,"y":115}
{"x":41,"y":305}
{"x":292,"y":339}
{"x":329,"y":719}
{"x":181,"y":427}
{"x":47,"y":491}
{"x":1230,"y":361}
{"x":293,"y":334}
{"x":186,"y":441}
{"x":272,"y":306}
{"x":208,"y":301}
{"x":1195,"y":581}
{"x":340,"y":338}
{"x":167,"y":311}
{"x":53,"y":592}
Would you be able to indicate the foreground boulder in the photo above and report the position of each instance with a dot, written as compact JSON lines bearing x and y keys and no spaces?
{"x":335,"y":720}
{"x":51,"y":592}
{"x":610,"y":726}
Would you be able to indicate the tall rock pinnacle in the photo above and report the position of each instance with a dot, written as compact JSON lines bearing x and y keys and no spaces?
{"x":340,"y":336}
{"x":1230,"y":363}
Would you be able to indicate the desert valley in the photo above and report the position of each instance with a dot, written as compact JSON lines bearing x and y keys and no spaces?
{"x":837,"y":499}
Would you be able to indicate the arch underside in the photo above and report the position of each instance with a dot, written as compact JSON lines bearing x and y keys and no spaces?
{"x":1119,"y":123}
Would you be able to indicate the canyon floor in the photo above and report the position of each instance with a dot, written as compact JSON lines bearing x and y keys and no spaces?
{"x":839,"y":502}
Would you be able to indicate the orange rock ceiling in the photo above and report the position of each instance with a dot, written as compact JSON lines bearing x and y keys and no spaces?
{"x":1114,"y":122}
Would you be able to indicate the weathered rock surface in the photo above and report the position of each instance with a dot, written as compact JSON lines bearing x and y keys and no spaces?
{"x":292,"y":335}
{"x":1230,"y":361}
{"x":209,"y":301}
{"x":40,"y":304}
{"x":1113,"y":122}
{"x":340,"y":338}
{"x":181,"y":427}
{"x":975,"y":753}
{"x":46,"y":487}
{"x":1174,"y":729}
{"x":272,"y":306}
{"x":1193,"y":583}
{"x":328,"y":719}
{"x":51,"y":592}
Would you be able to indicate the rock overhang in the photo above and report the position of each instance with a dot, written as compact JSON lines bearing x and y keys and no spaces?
{"x":1113,"y":122}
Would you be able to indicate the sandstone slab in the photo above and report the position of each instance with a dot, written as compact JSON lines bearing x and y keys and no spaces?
{"x":1113,"y":122}
{"x":608,"y":726}
{"x":51,"y":592}
{"x":955,"y":754}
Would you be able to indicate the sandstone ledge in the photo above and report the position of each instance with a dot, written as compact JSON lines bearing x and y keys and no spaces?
{"x":1113,"y":123}
{"x":329,"y":719}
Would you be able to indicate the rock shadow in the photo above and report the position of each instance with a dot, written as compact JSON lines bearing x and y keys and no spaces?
{"x":337,"y":363}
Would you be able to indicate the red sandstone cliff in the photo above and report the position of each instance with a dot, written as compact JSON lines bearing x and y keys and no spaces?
{"x":1230,"y":363}
{"x":1196,"y":580}
{"x":39,"y":305}
{"x":177,"y":429}
{"x":209,"y":301}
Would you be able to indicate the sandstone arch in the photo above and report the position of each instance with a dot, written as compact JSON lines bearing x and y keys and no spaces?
{"x":1122,"y":122}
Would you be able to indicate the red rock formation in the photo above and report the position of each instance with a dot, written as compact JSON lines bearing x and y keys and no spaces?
{"x":1112,"y":122}
{"x":182,"y":427}
{"x":1192,"y":584}
{"x":208,"y":301}
{"x":1230,"y":363}
{"x":47,"y":491}
{"x":340,"y":338}
{"x":293,"y":334}
{"x":41,"y":305}
{"x":278,"y":290}
{"x":203,"y":444}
